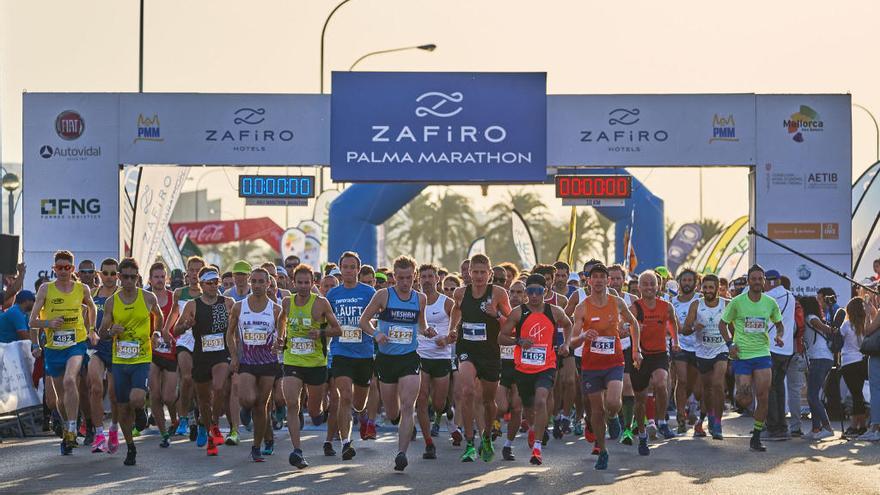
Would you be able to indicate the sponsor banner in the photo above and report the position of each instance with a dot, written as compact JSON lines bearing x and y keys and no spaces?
{"x":310,"y":227}
{"x":158,"y":190}
{"x":441,"y":127}
{"x":70,"y":173}
{"x":651,"y":130}
{"x":522,"y":239}
{"x":40,"y":263}
{"x":807,"y":278}
{"x":293,"y":243}
{"x":321,"y":215}
{"x":477,"y":247}
{"x":803,"y":194}
{"x":221,"y":231}
{"x":311,"y":253}
{"x":16,"y":383}
{"x":683,"y":242}
{"x":239,"y":129}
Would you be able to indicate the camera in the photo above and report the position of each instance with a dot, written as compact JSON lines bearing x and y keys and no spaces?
{"x":830,"y":300}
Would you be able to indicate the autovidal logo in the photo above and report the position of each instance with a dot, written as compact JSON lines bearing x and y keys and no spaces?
{"x":69,"y":125}
{"x":72,"y":153}
{"x":804,"y":120}
{"x":622,"y":134}
{"x":148,"y":129}
{"x":803,"y":272}
{"x":245,"y":136}
{"x":70,"y":208}
{"x":723,"y":129}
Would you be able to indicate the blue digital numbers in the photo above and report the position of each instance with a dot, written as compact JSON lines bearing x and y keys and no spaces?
{"x":276,"y":186}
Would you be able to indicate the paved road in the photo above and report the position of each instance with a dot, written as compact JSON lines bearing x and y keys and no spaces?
{"x":679,"y":466}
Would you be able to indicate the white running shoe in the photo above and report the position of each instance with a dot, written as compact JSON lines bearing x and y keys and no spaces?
{"x":870,"y":436}
{"x":822,"y":434}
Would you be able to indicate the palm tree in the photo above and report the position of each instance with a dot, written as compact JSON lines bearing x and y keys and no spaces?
{"x":406,"y":230}
{"x":499,"y":235}
{"x":710,"y":227}
{"x":456,"y":226}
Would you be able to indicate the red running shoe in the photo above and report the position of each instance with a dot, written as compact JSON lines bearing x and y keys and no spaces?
{"x":589,"y":436}
{"x":371,"y":431}
{"x":212,"y":447}
{"x":531,"y":438}
{"x":363,"y":428}
{"x":216,"y":435}
{"x":596,"y":449}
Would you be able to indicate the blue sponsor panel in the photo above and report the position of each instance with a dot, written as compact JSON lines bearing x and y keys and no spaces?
{"x":439,"y":127}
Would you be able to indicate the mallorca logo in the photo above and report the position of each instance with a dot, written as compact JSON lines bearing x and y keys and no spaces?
{"x":723,"y":129}
{"x":69,"y":125}
{"x":148,"y":129}
{"x":70,"y":208}
{"x":805,"y":120}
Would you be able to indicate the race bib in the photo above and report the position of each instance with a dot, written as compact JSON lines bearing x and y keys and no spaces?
{"x":213,"y":342}
{"x":475,"y":332}
{"x":712,"y":339}
{"x":63,"y":338}
{"x":301,"y":345}
{"x":350,"y":335}
{"x":602,"y":345}
{"x":536,"y":356}
{"x":507,"y":351}
{"x":255,"y":335}
{"x":127,"y":349}
{"x":755,"y":324}
{"x":400,"y":335}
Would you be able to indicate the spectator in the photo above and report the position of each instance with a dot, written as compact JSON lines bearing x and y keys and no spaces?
{"x":873,"y":434}
{"x":14,"y":322}
{"x":820,"y":361}
{"x":876,"y":269}
{"x":11,"y":286}
{"x":227,"y":281}
{"x":854,"y":366}
{"x":367,"y":275}
{"x":828,"y":303}
{"x":177,"y":279}
{"x":777,"y":427}
{"x":724,"y":288}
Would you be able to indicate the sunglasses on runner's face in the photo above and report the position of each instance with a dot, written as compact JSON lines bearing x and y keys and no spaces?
{"x":87,"y":271}
{"x":534,"y":291}
{"x":449,"y":289}
{"x":211,"y":282}
{"x":64,"y":268}
{"x":108,"y":273}
{"x":128,"y":276}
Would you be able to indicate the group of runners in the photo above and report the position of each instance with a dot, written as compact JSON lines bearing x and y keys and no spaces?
{"x":548,"y":351}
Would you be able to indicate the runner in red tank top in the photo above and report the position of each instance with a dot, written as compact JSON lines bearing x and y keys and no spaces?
{"x":163,"y":370}
{"x":537,"y":349}
{"x":597,"y":320}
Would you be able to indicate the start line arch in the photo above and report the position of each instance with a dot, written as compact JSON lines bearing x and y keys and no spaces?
{"x":469,"y":128}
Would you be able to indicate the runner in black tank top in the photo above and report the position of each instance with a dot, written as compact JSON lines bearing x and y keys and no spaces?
{"x":478,"y":335}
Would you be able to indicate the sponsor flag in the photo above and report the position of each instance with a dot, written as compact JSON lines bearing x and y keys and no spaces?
{"x":523,"y":241}
{"x":563,"y":253}
{"x":683,"y":243}
{"x":714,"y":258}
{"x":189,"y":248}
{"x":630,"y":260}
{"x":157,"y":192}
{"x":572,"y":235}
{"x":477,"y":247}
{"x":293,"y":242}
{"x":311,"y":253}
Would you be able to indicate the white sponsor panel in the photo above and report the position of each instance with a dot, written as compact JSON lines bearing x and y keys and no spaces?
{"x":158,"y":190}
{"x":224,"y":129}
{"x":651,"y":130}
{"x":16,"y":385}
{"x":311,"y":253}
{"x":807,"y":277}
{"x":293,"y":242}
{"x":522,"y":239}
{"x":39,"y":263}
{"x":477,"y":247}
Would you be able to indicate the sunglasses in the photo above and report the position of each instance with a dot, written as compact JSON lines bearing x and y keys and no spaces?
{"x":108,"y":273}
{"x":291,"y":265}
{"x":87,"y":271}
{"x":534,"y":291}
{"x":64,"y":268}
{"x":449,"y":289}
{"x":128,"y":276}
{"x":210,"y":282}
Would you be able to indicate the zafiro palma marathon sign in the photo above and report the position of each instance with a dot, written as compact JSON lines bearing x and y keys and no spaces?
{"x":438,"y":127}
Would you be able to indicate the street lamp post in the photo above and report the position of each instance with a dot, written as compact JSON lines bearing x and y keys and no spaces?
{"x":323,"y":32}
{"x":11,"y":183}
{"x":428,"y":48}
{"x":876,"y":130}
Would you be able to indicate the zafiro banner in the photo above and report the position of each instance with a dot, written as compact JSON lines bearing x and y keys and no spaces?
{"x":438,"y":127}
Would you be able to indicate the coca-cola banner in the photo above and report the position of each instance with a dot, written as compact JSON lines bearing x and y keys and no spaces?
{"x":221,"y":231}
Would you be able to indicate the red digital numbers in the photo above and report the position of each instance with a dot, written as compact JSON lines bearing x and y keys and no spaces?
{"x":594,"y":186}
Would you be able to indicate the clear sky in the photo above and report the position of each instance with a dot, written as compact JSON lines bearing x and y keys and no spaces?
{"x":585,"y":47}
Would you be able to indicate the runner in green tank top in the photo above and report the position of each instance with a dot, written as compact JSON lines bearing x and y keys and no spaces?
{"x":304,"y":327}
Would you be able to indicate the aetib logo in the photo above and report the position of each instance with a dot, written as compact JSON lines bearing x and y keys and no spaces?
{"x":148,"y":129}
{"x":70,"y":208}
{"x":723,"y":129}
{"x":69,"y":125}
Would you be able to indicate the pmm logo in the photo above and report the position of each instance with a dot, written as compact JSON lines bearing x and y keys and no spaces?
{"x":70,"y":206}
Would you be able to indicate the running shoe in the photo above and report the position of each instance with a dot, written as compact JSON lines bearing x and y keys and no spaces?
{"x":643,"y":446}
{"x":256,"y":455}
{"x":212,"y":447}
{"x":165,"y":443}
{"x":470,"y":454}
{"x":536,"y":457}
{"x":698,"y":430}
{"x":100,"y":444}
{"x":666,"y":432}
{"x":627,"y":437}
{"x":217,"y":435}
{"x":716,"y":433}
{"x":202,"y":437}
{"x":244,"y":414}
{"x":183,"y":427}
{"x":507,"y":454}
{"x":456,"y":437}
{"x":566,"y":425}
{"x":614,"y":428}
{"x":822,"y":434}
{"x":68,"y":442}
{"x":523,"y":426}
{"x":870,"y":436}
{"x":297,"y":460}
{"x":755,"y":444}
{"x":135,"y":432}
{"x":545,"y":439}
{"x":328,"y":449}
{"x":435,"y":430}
{"x":578,"y":427}
{"x":652,"y":430}
{"x":371,"y":431}
{"x":557,"y":428}
{"x":682,"y":428}
{"x":348,"y":452}
{"x":488,"y":449}
{"x":496,"y":429}
{"x":232,"y":438}
{"x":130,"y":456}
{"x":362,"y":427}
{"x":269,"y":447}
{"x":82,"y":430}
{"x":596,"y":450}
{"x":602,"y":461}
{"x":400,"y":462}
{"x":113,"y":441}
{"x":430,"y":452}
{"x":193,"y":432}
{"x":90,"y":437}
{"x":589,"y":436}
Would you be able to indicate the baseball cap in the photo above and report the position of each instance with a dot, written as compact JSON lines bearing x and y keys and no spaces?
{"x":209,"y":275}
{"x":574,"y":278}
{"x":662,"y":271}
{"x":772,"y":275}
{"x":335,"y":272}
{"x":381,"y":276}
{"x":281,"y":271}
{"x":241,"y":266}
{"x":23,"y":296}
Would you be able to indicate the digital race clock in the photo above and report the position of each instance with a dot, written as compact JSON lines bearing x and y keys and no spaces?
{"x":593,"y":186}
{"x":276,"y":186}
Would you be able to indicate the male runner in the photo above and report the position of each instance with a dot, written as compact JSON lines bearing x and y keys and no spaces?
{"x":303,"y":336}
{"x":685,"y":361}
{"x":128,"y":318}
{"x":436,"y":358}
{"x":655,"y":316}
{"x":101,"y":362}
{"x":86,"y":274}
{"x":598,"y":319}
{"x":251,"y":334}
{"x":163,"y":371}
{"x":184,"y":346}
{"x":475,"y":317}
{"x":465,"y":270}
{"x":59,"y":309}
{"x":401,"y":313}
{"x":290,"y":264}
{"x":208,"y":318}
{"x":507,"y":396}
{"x":536,"y":351}
{"x":241,"y":273}
{"x":751,"y":314}
{"x":352,"y":352}
{"x":703,"y":318}
{"x":616,"y":278}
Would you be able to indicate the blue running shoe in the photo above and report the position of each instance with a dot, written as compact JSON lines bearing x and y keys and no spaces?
{"x":183,"y":427}
{"x":202,"y":436}
{"x":269,"y":447}
{"x":666,"y":432}
{"x":614,"y":428}
{"x":244,"y":414}
{"x":602,"y":461}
